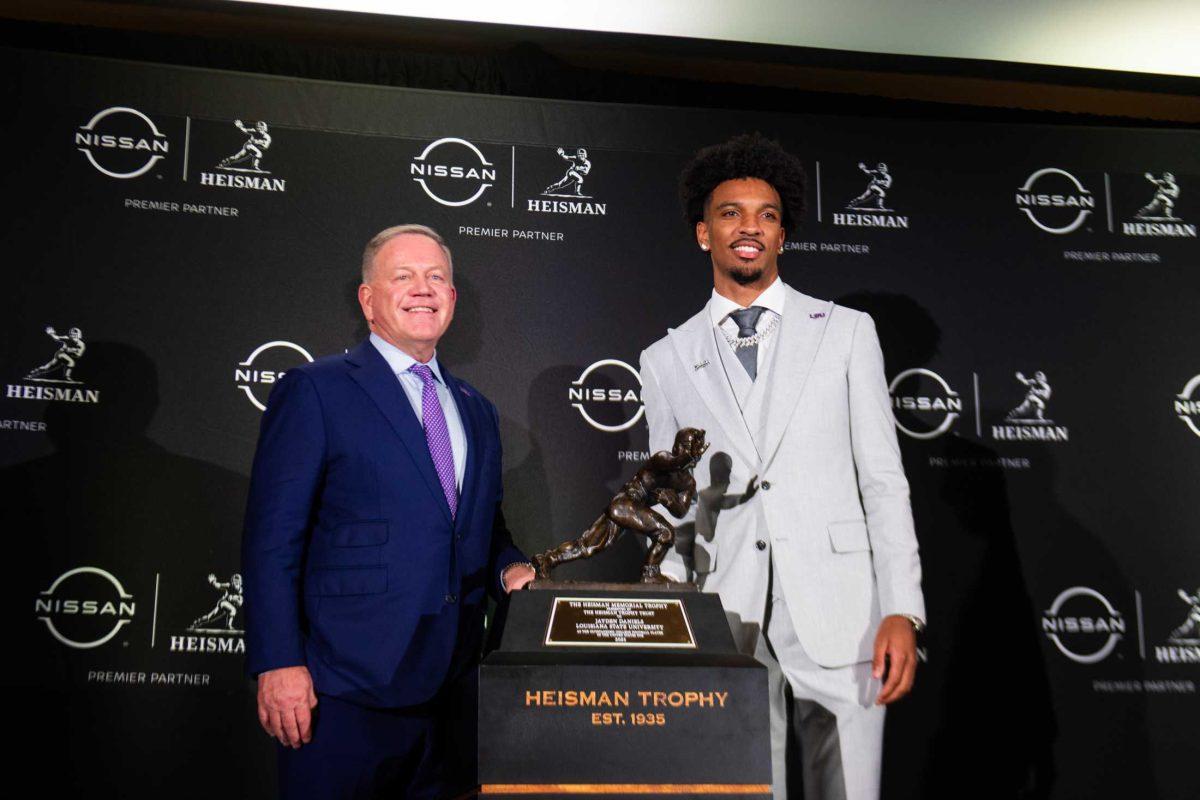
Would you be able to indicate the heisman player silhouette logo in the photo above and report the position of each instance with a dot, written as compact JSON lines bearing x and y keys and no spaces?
{"x":226,"y":608}
{"x":1189,"y":631}
{"x":571,"y":183}
{"x":1028,"y":421}
{"x":872,"y":199}
{"x":567,"y":191}
{"x":1158,"y":217}
{"x":71,"y":348}
{"x":1032,"y":410}
{"x":871,"y":209}
{"x":1162,"y":207}
{"x":249,"y":157}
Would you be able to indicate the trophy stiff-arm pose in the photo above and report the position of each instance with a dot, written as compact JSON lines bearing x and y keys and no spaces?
{"x":1035,"y":399}
{"x":70,"y":349}
{"x":666,"y":478}
{"x":254,"y":148}
{"x":227,"y":607}
{"x":579,"y":167}
{"x":1166,"y":192}
{"x":881,"y":181}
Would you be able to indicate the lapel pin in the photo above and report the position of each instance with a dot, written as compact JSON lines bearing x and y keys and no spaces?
{"x":701,"y":365}
{"x":463,"y":389}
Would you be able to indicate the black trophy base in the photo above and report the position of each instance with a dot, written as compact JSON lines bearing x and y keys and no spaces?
{"x":625,"y":691}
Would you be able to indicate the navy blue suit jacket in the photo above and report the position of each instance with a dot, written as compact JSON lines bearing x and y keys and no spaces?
{"x":352,"y":563}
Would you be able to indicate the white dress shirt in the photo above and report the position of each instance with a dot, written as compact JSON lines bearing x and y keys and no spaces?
{"x":413,"y":387}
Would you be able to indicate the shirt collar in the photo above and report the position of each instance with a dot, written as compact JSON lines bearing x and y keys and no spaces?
{"x":771,"y":299}
{"x":399,"y":360}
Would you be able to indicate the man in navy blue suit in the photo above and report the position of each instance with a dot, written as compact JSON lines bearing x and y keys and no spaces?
{"x":373,"y":534}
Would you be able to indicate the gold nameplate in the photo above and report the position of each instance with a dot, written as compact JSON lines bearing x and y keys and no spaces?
{"x":619,"y":622}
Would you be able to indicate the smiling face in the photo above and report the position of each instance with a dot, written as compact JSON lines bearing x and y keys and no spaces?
{"x":743,"y":231}
{"x":409,"y":296}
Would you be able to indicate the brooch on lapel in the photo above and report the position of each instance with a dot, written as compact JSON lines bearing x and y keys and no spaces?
{"x":816,"y":315}
{"x":464,"y":390}
{"x":701,"y":365}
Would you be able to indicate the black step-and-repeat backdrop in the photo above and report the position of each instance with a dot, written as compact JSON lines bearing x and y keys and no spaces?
{"x":176,"y":239}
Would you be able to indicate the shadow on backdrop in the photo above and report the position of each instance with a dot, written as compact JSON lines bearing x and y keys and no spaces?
{"x":980,"y":720}
{"x":1060,"y":552}
{"x":159,"y":522}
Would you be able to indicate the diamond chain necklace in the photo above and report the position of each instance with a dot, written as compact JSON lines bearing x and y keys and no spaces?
{"x":751,"y":341}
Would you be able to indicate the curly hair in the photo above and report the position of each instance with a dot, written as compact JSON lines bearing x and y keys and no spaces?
{"x":750,"y":155}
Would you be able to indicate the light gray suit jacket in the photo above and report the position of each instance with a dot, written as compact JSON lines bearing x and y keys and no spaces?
{"x":808,"y":463}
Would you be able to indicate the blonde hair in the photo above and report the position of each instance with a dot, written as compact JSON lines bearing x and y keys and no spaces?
{"x":387,"y":234}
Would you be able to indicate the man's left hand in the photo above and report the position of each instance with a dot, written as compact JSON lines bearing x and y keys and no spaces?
{"x":895,"y":652}
{"x":516,"y":576}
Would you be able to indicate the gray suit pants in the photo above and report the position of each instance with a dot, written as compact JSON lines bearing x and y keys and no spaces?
{"x":829,"y":713}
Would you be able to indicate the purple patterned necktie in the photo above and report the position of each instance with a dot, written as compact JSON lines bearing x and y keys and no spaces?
{"x":437,"y":435}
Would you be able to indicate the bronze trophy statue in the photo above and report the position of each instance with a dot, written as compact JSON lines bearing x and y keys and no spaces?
{"x":665,"y":478}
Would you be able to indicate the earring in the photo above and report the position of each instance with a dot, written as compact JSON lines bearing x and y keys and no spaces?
{"x":780,"y":249}
{"x":704,"y":247}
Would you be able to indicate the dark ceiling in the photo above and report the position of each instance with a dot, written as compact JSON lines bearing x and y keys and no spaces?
{"x":590,"y":66}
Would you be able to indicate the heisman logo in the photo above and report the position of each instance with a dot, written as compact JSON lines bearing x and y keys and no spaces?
{"x":1028,"y":419}
{"x":70,"y":348}
{"x":122,"y":142}
{"x":570,"y":188}
{"x":218,"y":628}
{"x":1184,"y":641}
{"x":85,"y":607}
{"x":58,"y":372}
{"x":936,"y":411}
{"x":246,"y":164}
{"x":1187,"y":405}
{"x":453,"y":172}
{"x":873,"y":200}
{"x":265,"y":366}
{"x":1157,"y":218}
{"x":1075,"y":635}
{"x":608,"y":395}
{"x":1055,"y":200}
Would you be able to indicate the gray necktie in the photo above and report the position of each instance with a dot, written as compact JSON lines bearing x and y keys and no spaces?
{"x":746,"y":319}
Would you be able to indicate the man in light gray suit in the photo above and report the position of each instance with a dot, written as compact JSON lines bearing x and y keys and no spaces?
{"x":803,"y":523}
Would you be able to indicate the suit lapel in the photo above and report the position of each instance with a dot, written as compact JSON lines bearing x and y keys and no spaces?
{"x":472,"y":428}
{"x":370,"y":371}
{"x":696,"y":346}
{"x":800,"y":334}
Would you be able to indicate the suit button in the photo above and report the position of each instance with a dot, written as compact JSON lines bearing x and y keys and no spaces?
{"x":766,"y":485}
{"x":450,"y":598}
{"x":760,"y":544}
